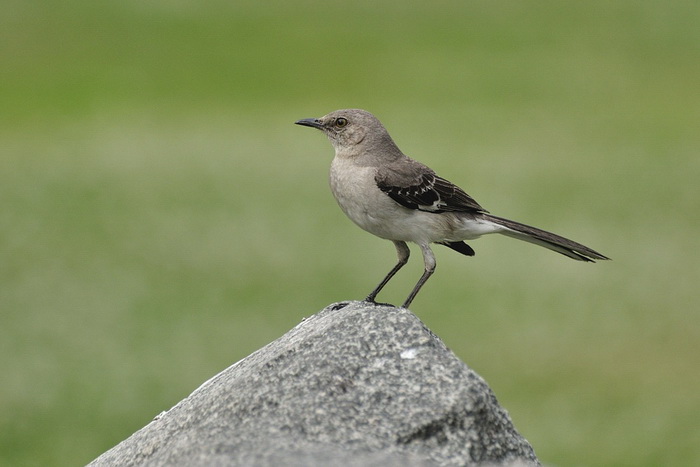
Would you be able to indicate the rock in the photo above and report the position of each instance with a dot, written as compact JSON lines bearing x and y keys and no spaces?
{"x":356,"y":385}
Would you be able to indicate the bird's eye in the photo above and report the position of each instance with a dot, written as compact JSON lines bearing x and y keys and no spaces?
{"x":341,"y":122}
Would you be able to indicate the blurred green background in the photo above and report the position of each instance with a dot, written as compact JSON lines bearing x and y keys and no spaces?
{"x":162,"y":217}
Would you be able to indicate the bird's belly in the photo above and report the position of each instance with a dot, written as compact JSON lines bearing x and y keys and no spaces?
{"x":387,"y":219}
{"x":366,"y":205}
{"x":359,"y":198}
{"x":409,"y":228}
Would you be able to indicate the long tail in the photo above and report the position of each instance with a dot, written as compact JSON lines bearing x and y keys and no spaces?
{"x":546,"y":239}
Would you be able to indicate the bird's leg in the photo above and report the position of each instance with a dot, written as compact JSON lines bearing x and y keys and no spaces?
{"x":403,"y":253}
{"x":429,"y":260}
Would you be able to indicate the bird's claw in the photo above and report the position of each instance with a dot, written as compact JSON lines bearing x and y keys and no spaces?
{"x":372,"y":302}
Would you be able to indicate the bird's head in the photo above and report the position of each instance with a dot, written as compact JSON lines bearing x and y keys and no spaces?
{"x":348,"y":128}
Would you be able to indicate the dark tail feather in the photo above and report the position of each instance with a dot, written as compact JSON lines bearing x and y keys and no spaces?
{"x":460,"y":247}
{"x":546,"y":239}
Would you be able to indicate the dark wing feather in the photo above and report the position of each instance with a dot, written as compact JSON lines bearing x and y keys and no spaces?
{"x":427,"y":192}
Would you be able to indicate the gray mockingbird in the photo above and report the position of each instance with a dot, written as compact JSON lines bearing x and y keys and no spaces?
{"x":397,"y":198}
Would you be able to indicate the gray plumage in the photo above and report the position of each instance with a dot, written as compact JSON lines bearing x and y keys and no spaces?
{"x":397,"y":198}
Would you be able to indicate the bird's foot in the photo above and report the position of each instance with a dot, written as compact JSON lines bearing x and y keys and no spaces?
{"x":372,"y":302}
{"x":339,"y":305}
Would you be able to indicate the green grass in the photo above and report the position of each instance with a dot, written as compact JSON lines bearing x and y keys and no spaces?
{"x":162,"y":217}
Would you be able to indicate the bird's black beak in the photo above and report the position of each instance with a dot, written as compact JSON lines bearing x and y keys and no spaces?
{"x":312,"y":122}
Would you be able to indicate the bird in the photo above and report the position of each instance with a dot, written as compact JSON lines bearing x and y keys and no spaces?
{"x":397,"y":198}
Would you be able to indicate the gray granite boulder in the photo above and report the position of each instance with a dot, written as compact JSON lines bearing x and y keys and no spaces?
{"x":355,"y":385}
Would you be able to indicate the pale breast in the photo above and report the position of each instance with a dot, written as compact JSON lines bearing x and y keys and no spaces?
{"x":357,"y":194}
{"x":355,"y":191}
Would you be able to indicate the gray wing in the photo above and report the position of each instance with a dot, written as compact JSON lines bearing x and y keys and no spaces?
{"x":421,"y":189}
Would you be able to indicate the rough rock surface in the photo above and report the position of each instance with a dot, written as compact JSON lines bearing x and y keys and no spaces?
{"x":356,"y":384}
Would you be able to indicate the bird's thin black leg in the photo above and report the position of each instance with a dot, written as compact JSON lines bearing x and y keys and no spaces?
{"x":429,"y":260}
{"x":403,"y":253}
